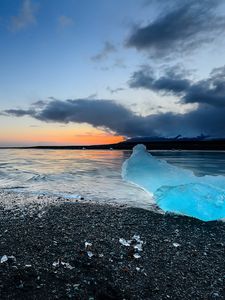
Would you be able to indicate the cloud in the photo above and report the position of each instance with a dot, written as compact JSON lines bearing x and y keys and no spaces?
{"x":106,"y":114}
{"x":25,"y":18}
{"x":171,"y":82}
{"x":104,"y":53}
{"x":185,"y":27}
{"x":92,"y":96}
{"x":39,"y":103}
{"x":116,"y":90}
{"x":65,"y":21}
{"x":112,"y":116}
{"x":203,"y":120}
{"x":119,"y":63}
{"x":210,"y":91}
{"x":19,"y":112}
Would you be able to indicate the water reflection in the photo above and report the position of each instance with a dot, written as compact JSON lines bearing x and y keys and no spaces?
{"x":95,"y":174}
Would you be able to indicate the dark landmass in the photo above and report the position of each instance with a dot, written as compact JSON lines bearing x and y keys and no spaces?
{"x":182,"y":258}
{"x":167,"y":144}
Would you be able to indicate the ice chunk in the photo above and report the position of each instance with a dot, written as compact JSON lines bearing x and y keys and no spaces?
{"x":67,"y":265}
{"x":138,"y":247}
{"x":62,"y":263}
{"x":12,"y":257}
{"x":176,"y":245}
{"x":87,"y":245}
{"x":125,"y":242}
{"x":198,"y":200}
{"x":176,"y":189}
{"x":150,"y":173}
{"x":90,"y":254}
{"x":139,"y":242}
{"x":4,"y":259}
{"x":137,"y":238}
{"x":56,"y":264}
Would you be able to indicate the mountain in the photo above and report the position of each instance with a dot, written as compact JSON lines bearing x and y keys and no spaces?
{"x":179,"y":137}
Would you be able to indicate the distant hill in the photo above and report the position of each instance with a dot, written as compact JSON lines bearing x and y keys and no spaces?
{"x":152,"y":143}
{"x":179,"y":137}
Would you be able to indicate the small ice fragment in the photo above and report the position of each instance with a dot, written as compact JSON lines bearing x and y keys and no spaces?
{"x":124,"y":242}
{"x":12,"y":257}
{"x":136,"y":255}
{"x":64,"y":264}
{"x":28,"y":266}
{"x":87,"y":245}
{"x":4,"y":259}
{"x":67,"y":265}
{"x":176,"y":245}
{"x":136,"y":237}
{"x":56,"y":264}
{"x":101,"y":255}
{"x":138,"y":247}
{"x":90,"y":254}
{"x":138,"y":269}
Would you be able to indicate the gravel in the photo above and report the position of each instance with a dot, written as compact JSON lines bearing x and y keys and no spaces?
{"x":78,"y":250}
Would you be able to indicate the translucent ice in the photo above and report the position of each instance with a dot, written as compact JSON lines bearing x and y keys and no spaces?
{"x":4,"y":259}
{"x":202,"y":201}
{"x":176,"y":189}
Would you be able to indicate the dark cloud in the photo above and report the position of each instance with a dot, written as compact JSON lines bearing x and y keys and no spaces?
{"x":210,"y":91}
{"x":104,"y":53}
{"x":116,"y":118}
{"x":19,"y":112}
{"x":183,"y":28}
{"x":203,"y":120}
{"x":171,"y":82}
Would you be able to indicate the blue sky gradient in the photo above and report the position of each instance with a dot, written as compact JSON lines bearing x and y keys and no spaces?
{"x":79,"y":49}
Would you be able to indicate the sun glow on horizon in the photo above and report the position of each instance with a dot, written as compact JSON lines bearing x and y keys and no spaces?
{"x":36,"y":135}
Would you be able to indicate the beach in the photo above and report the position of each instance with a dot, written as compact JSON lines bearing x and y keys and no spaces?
{"x":80,"y":250}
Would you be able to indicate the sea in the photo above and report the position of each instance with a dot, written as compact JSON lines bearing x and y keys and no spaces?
{"x":92,"y":175}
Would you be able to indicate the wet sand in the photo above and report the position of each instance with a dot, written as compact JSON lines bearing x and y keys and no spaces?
{"x":47,"y":258}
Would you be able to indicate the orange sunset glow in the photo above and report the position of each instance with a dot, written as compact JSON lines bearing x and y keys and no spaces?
{"x":66,"y":140}
{"x":86,"y":135}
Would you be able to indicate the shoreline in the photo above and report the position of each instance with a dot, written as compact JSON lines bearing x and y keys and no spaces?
{"x":47,"y":258}
{"x":189,"y":144}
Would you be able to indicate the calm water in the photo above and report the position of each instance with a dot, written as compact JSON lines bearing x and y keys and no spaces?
{"x":93,"y":174}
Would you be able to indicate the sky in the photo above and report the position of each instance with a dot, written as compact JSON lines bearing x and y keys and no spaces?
{"x":100,"y":71}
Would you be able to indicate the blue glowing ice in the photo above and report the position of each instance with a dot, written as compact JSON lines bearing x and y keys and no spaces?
{"x":176,"y":189}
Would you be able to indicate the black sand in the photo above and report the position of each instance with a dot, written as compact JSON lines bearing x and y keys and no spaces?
{"x":182,"y":258}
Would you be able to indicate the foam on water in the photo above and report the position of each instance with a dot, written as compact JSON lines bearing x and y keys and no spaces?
{"x":175,"y":189}
{"x":93,"y":174}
